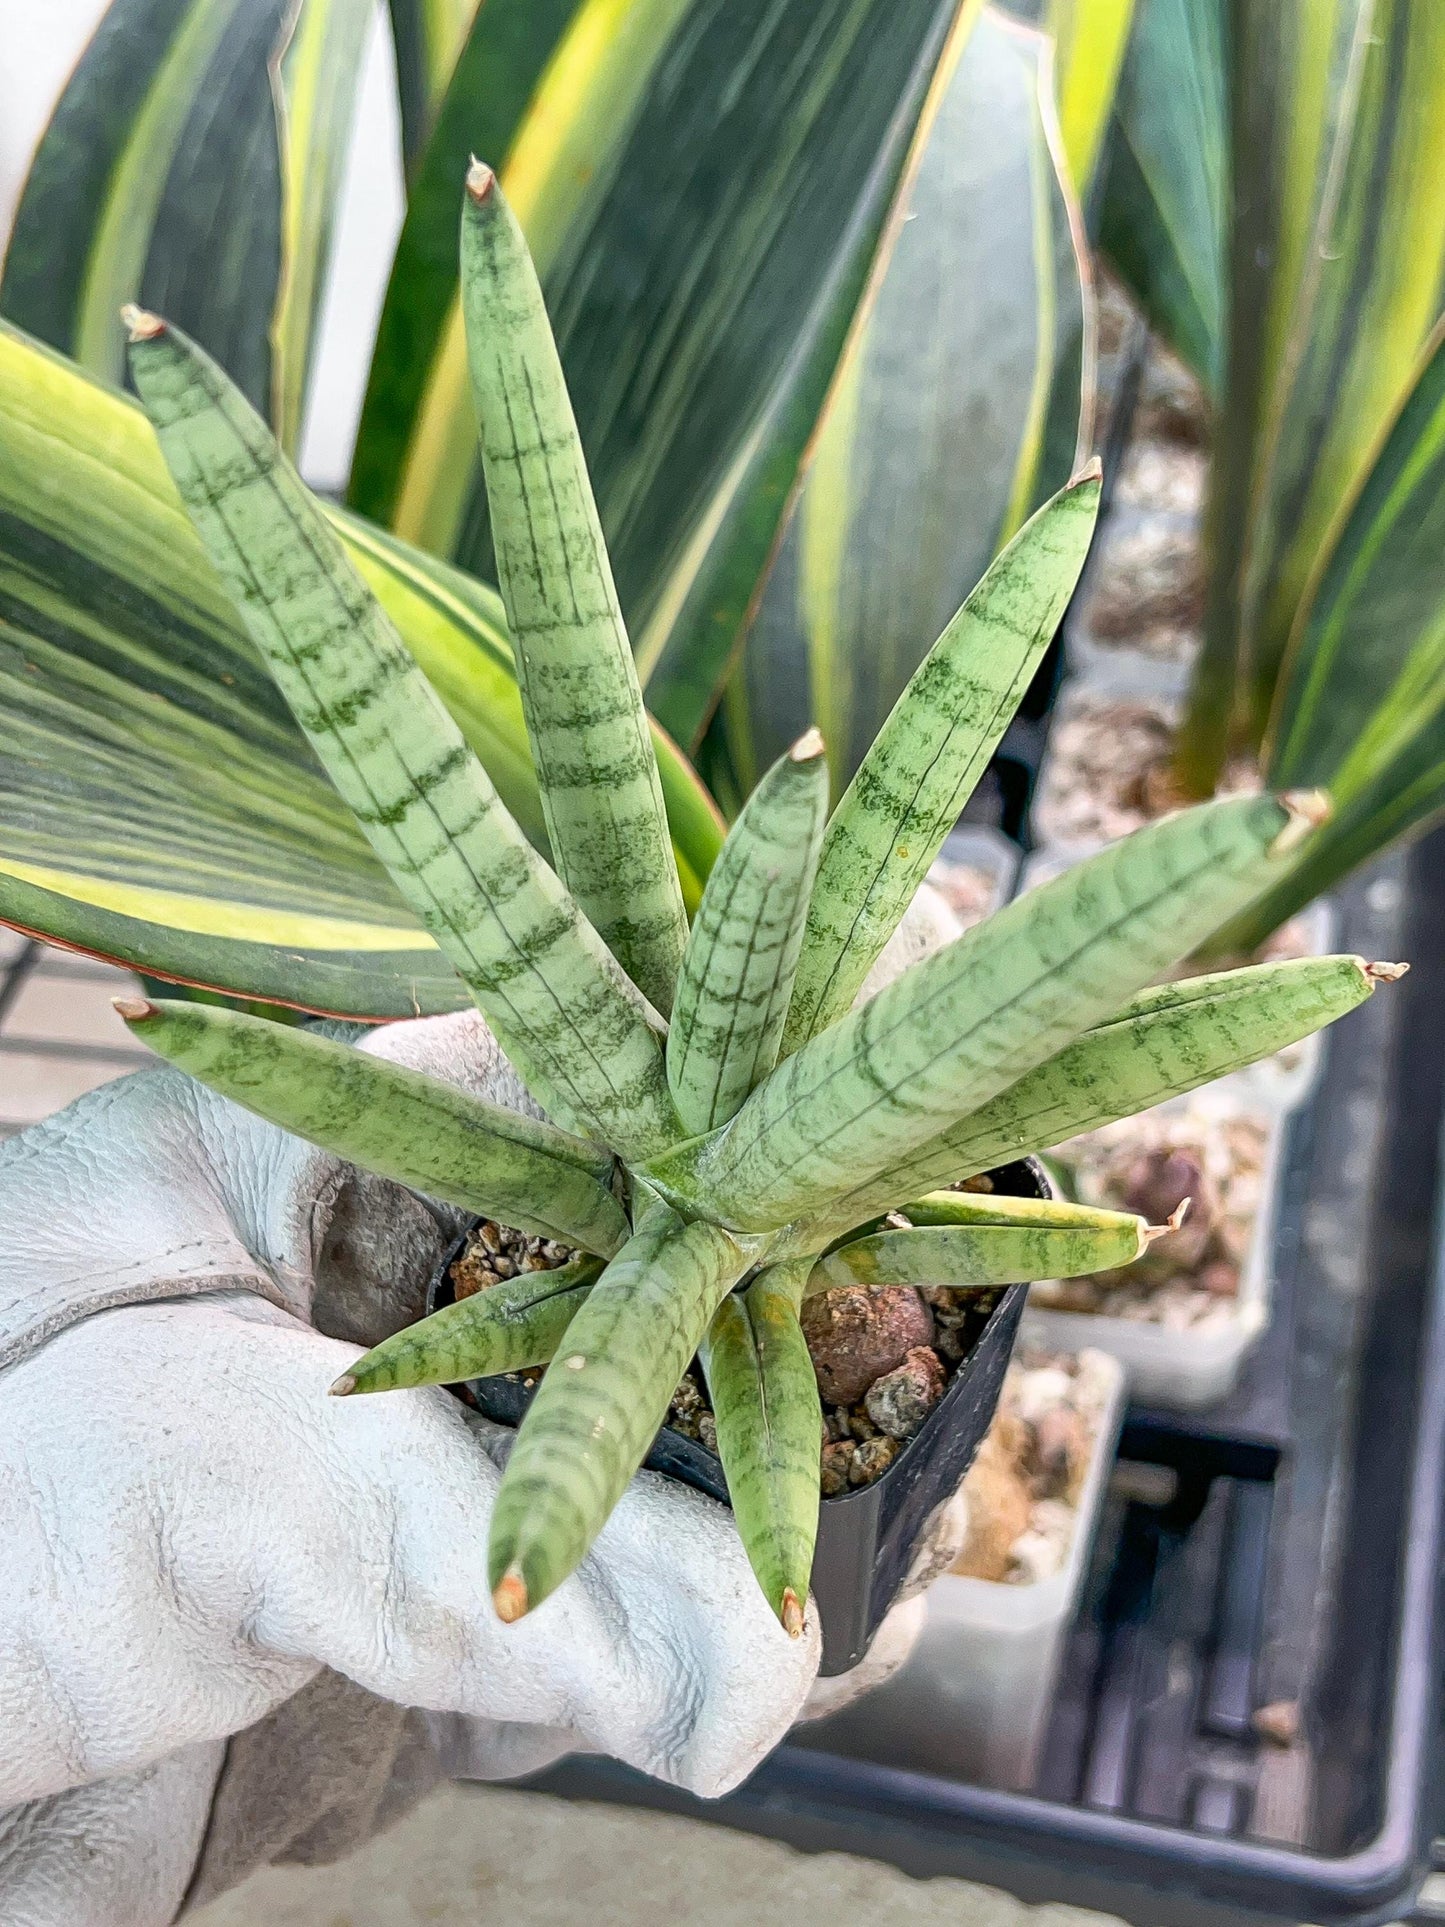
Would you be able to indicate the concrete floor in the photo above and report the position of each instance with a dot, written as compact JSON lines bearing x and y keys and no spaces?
{"x":488,"y":1856}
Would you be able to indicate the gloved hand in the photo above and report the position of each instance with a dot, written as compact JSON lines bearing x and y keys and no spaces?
{"x":193,"y":1530}
{"x":201,"y":1544}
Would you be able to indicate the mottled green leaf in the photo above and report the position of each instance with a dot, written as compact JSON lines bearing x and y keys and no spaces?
{"x":595,"y":763}
{"x":764,"y":1395}
{"x":968,"y":1021}
{"x":1053,"y":1241}
{"x":556,"y":998}
{"x":394,"y":1121}
{"x":741,"y":957}
{"x":600,"y":1406}
{"x":509,"y":1327}
{"x":929,"y":754}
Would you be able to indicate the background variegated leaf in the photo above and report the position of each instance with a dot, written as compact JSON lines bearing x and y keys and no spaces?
{"x":702,"y":184}
{"x":1090,"y":38}
{"x":157,"y":803}
{"x":1165,"y":176}
{"x":936,"y":442}
{"x":193,"y":163}
{"x":428,"y":37}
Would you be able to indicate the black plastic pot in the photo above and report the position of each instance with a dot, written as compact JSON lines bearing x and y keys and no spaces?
{"x":867,"y":1538}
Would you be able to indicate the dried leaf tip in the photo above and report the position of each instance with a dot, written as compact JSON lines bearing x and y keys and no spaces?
{"x":791,"y":1614}
{"x":1307,"y":810}
{"x":1092,"y":471}
{"x":1385,"y":973}
{"x":509,"y":1596}
{"x":133,"y":1009}
{"x":140,"y":325}
{"x":346,"y":1383}
{"x":480,"y":179}
{"x":808,"y":747}
{"x":1172,"y":1223}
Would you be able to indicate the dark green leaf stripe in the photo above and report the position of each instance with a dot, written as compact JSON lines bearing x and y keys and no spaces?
{"x":559,"y":1004}
{"x":961,"y":1256}
{"x":509,"y":1327}
{"x":921,"y":770}
{"x":599,"y":1408}
{"x":738,"y":971}
{"x":764,"y":1395}
{"x":395,"y":1121}
{"x":590,"y":742}
{"x":967,"y":1022}
{"x":1162,"y":1043}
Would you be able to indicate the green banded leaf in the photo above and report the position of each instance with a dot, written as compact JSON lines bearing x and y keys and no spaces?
{"x":194,"y":162}
{"x":600,"y":1406}
{"x":428,"y":37}
{"x":509,"y":1327}
{"x":396,"y":1122}
{"x":1055,"y":1241}
{"x":968,"y":1021}
{"x":595,"y":764}
{"x":973,"y":324}
{"x":556,"y":998}
{"x":764,"y":140}
{"x":914,"y":781}
{"x":764,"y":1395}
{"x":1165,"y":177}
{"x":738,"y":971}
{"x":1162,"y":1043}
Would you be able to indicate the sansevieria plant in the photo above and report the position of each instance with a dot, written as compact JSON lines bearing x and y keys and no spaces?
{"x":727,"y":1131}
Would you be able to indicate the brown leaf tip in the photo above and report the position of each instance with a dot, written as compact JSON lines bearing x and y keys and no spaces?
{"x":510,"y":1596}
{"x":1092,"y":471}
{"x":140,"y":325}
{"x":791,"y":1614}
{"x":1171,"y":1223}
{"x":1386,"y":973}
{"x":343,"y":1385}
{"x":480,"y":180}
{"x":133,"y":1009}
{"x":808,"y":747}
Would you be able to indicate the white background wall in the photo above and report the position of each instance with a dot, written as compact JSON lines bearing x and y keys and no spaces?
{"x":40,"y":40}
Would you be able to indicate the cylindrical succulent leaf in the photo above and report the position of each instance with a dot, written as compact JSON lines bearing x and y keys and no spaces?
{"x":968,"y":1021}
{"x":764,"y":1395}
{"x":560,"y":1004}
{"x":1164,"y":1042}
{"x":737,"y":973}
{"x":600,"y":1406}
{"x":1053,"y":1241}
{"x":509,"y":1327}
{"x":397,"y":1122}
{"x":929,"y":754}
{"x":595,"y":762}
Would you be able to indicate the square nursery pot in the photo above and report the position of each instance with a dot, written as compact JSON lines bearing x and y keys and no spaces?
{"x":866,"y":1538}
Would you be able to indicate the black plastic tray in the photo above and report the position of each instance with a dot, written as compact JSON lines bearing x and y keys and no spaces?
{"x":1296,"y":1560}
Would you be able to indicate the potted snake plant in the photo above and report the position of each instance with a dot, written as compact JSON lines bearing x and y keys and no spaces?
{"x":722,"y":1133}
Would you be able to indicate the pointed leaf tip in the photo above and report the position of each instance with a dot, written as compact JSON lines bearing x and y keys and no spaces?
{"x":510,"y":1596}
{"x":1092,"y":471}
{"x":342,"y":1387}
{"x":133,"y":1009}
{"x":1385,"y":973}
{"x":791,"y":1614}
{"x":480,"y":179}
{"x":141,"y":325}
{"x":1150,"y":1232}
{"x":808,"y":747}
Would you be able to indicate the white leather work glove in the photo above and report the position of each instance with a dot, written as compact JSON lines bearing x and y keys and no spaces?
{"x":199,"y":1543}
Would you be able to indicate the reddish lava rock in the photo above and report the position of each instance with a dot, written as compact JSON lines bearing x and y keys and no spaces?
{"x":855,"y":1336}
